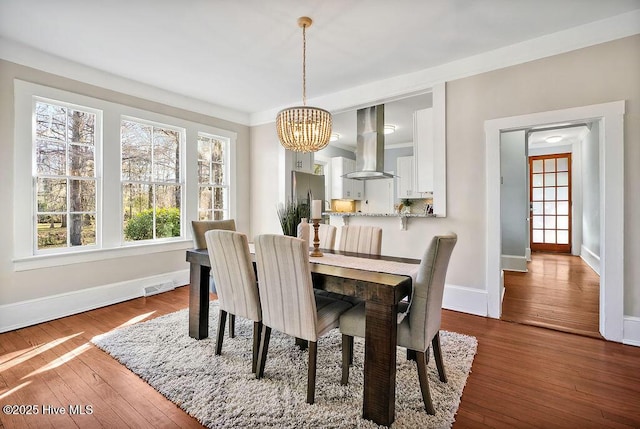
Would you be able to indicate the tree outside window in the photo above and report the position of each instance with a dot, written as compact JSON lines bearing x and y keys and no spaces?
{"x":213,"y":201}
{"x":65,"y":179}
{"x":151,"y":188}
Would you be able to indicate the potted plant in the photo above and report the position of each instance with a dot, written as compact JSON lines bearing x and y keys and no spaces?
{"x":290,"y":215}
{"x":406,"y":205}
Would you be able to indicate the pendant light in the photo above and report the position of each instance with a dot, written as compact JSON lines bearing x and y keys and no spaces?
{"x":304,"y":128}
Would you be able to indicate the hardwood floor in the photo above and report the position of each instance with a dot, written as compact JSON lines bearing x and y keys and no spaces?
{"x":522,"y":376}
{"x":559,"y":292}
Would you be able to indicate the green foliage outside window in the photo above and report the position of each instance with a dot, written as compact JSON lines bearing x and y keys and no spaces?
{"x":140,"y":226}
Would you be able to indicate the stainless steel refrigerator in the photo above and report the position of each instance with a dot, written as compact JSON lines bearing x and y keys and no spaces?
{"x":307,"y":187}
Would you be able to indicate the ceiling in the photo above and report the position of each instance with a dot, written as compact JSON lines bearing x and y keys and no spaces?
{"x":246,"y":55}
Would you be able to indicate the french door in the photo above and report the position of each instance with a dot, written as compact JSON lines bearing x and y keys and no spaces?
{"x":550,"y":198}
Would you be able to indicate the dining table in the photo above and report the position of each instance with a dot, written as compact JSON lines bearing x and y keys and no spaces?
{"x":337,"y":273}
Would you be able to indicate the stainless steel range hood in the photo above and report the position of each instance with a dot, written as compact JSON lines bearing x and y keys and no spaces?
{"x":370,"y":145}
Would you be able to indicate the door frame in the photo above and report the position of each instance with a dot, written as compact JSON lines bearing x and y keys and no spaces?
{"x":611,"y":119}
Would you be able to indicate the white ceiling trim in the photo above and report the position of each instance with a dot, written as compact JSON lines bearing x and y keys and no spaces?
{"x":624,"y":25}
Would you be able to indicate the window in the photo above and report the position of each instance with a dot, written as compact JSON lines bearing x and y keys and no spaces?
{"x":213,"y":178}
{"x":151,"y":189}
{"x":66,"y":183}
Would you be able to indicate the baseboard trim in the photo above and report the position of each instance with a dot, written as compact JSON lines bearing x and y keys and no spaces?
{"x":26,"y":313}
{"x":465,"y":299}
{"x":631,"y":331}
{"x":591,"y":259}
{"x":514,"y":263}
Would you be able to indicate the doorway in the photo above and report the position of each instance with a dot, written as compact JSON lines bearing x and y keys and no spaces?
{"x":611,"y":180}
{"x":550,"y":203}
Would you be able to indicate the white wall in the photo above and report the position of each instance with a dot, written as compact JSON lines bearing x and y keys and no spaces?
{"x":591,"y":192}
{"x":514,"y":201}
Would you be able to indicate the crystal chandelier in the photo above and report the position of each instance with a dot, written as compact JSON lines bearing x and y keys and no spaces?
{"x":304,"y":128}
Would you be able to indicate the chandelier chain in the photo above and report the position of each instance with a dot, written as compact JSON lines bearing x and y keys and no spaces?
{"x":304,"y":65}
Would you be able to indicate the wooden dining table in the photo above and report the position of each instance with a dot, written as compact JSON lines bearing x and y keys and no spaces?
{"x":381,"y":292}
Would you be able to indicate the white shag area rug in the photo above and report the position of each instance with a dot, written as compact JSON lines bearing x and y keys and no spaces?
{"x":222,"y":392}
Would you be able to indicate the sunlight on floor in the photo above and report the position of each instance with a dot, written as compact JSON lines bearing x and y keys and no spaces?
{"x":21,"y":357}
{"x":61,"y":360}
{"x":9,"y":392}
{"x":136,"y":319}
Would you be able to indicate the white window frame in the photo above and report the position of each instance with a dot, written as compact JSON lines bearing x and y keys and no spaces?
{"x":111,"y":246}
{"x":227,"y":171}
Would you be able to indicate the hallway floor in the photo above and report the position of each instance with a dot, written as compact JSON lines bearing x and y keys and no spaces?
{"x":559,"y":292}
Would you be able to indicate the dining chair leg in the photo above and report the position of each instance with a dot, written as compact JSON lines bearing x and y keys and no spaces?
{"x":222,"y":319}
{"x":437,"y":354}
{"x":264,"y":347}
{"x":311,"y":379}
{"x":232,"y":325}
{"x":257,"y":331}
{"x":411,"y":354}
{"x":421,"y":360}
{"x":347,"y":356}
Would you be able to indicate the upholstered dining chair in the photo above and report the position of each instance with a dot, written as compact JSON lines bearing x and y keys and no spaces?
{"x":326,"y":234}
{"x":232,"y":270}
{"x":360,"y":239}
{"x":200,"y":227}
{"x":288,"y":302}
{"x":420,"y":328}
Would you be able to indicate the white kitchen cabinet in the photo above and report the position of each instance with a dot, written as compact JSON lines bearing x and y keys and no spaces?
{"x":423,"y":150}
{"x":343,"y":188}
{"x":302,"y":161}
{"x":406,"y":178}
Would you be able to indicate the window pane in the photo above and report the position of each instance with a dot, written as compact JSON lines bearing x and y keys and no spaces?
{"x":217,"y":154}
{"x":550,"y":236}
{"x":537,"y":194}
{"x":549,"y":165}
{"x":563,"y":207}
{"x":205,"y":198}
{"x":52,"y":195}
{"x":563,"y":222}
{"x":549,"y":194}
{"x":563,"y":237}
{"x":204,"y":149}
{"x":82,"y":195}
{"x":538,"y":236}
{"x":563,"y":179}
{"x":204,"y":175}
{"x":218,"y":174}
{"x":219,"y":195}
{"x":165,"y":155}
{"x":204,"y":215}
{"x":136,"y":151}
{"x":563,"y":193}
{"x":138,"y":214}
{"x":51,"y":122}
{"x":167,"y":211}
{"x":549,"y":222}
{"x":537,"y":180}
{"x":218,"y":215}
{"x":51,"y":158}
{"x":82,"y":230}
{"x":550,"y":208}
{"x":81,"y":161}
{"x":537,"y":166}
{"x":538,"y":222}
{"x":537,"y":208}
{"x":51,"y":232}
{"x":550,"y":179}
{"x":563,"y":164}
{"x":81,"y":127}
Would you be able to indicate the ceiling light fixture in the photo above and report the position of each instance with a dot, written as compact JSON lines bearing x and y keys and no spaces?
{"x":304,"y":128}
{"x":389,"y":129}
{"x":553,"y":139}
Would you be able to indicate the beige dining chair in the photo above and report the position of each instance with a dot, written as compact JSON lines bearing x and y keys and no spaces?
{"x":200,"y":227}
{"x":360,"y":239}
{"x":232,"y":270}
{"x":326,"y":234}
{"x":288,"y":302}
{"x":420,"y":328}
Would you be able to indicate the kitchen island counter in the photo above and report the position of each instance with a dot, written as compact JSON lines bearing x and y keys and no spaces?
{"x":402,"y":216}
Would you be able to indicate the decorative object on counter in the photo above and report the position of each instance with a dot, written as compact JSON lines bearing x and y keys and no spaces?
{"x":316,"y":215}
{"x":304,"y":128}
{"x":406,"y":205}
{"x":290,"y":215}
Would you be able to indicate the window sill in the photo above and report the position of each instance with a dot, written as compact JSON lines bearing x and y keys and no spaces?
{"x":56,"y":260}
